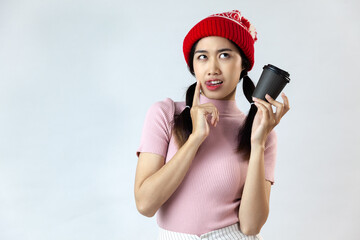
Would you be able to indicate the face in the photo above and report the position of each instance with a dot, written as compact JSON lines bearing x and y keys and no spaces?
{"x":217,"y":65}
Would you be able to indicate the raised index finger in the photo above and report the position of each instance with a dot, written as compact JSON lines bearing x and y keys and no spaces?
{"x":196,"y":99}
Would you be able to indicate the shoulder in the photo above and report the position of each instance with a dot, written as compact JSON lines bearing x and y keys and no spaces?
{"x":167,"y":107}
{"x":165,"y":110}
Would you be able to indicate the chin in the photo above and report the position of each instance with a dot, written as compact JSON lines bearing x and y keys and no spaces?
{"x":214,"y":95}
{"x":217,"y":95}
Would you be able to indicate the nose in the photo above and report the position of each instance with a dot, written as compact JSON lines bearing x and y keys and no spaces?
{"x":213,"y":67}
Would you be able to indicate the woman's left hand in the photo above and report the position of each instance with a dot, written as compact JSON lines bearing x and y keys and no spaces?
{"x":265,"y":119}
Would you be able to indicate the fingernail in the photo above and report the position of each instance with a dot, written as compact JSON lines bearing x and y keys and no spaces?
{"x":254,"y":98}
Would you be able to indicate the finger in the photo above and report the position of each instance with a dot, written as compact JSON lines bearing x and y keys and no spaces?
{"x":273,"y":102}
{"x":217,"y":117}
{"x":263,"y":102}
{"x":279,"y":107}
{"x":196,"y":99}
{"x":210,"y":109}
{"x":213,"y":119}
{"x":267,"y":105}
{"x":214,"y":114}
{"x":286,"y":102}
{"x":263,"y":109}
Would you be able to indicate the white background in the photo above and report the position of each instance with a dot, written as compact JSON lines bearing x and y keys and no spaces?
{"x":76,"y":80}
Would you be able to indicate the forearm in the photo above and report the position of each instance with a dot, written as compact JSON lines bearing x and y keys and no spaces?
{"x":158,"y":188}
{"x":254,"y":207}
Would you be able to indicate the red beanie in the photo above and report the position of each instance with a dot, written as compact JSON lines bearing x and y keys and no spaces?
{"x":230,"y":25}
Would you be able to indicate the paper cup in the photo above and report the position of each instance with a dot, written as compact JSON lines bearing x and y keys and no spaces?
{"x":272,"y":81}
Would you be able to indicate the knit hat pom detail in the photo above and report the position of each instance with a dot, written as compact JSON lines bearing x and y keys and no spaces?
{"x":235,"y":15}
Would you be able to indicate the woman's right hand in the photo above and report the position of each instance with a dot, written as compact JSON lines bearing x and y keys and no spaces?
{"x":199,"y":114}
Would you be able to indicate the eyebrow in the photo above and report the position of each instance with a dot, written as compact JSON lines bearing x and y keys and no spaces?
{"x":220,"y":50}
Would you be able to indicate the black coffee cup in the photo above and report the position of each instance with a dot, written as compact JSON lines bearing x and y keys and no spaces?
{"x":272,"y":81}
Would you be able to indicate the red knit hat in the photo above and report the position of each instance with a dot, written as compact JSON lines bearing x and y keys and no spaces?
{"x":230,"y":25}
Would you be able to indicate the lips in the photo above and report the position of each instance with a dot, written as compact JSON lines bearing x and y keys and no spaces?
{"x":213,"y":82}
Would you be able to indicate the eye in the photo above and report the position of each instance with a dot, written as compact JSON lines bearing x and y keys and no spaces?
{"x":224,"y":55}
{"x":201,"y":57}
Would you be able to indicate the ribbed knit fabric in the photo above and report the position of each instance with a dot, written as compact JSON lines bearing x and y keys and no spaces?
{"x":209,"y":196}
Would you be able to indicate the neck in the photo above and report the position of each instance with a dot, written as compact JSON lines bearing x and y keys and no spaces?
{"x":223,"y":106}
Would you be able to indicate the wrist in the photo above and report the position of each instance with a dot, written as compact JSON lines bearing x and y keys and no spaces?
{"x":257,"y":150}
{"x":195,"y":139}
{"x":258,"y":141}
{"x":256,"y":145}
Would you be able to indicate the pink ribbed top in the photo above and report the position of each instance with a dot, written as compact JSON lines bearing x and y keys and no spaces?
{"x":209,"y":196}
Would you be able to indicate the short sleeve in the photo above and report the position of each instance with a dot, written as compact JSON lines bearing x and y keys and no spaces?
{"x":270,"y":156}
{"x":156,"y":132}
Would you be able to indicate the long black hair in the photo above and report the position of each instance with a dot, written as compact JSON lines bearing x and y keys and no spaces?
{"x":183,"y":123}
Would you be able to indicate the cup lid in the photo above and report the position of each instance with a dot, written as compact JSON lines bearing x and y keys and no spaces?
{"x":277,"y":70}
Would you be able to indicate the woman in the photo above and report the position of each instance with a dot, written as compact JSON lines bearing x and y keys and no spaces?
{"x":204,"y":166}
